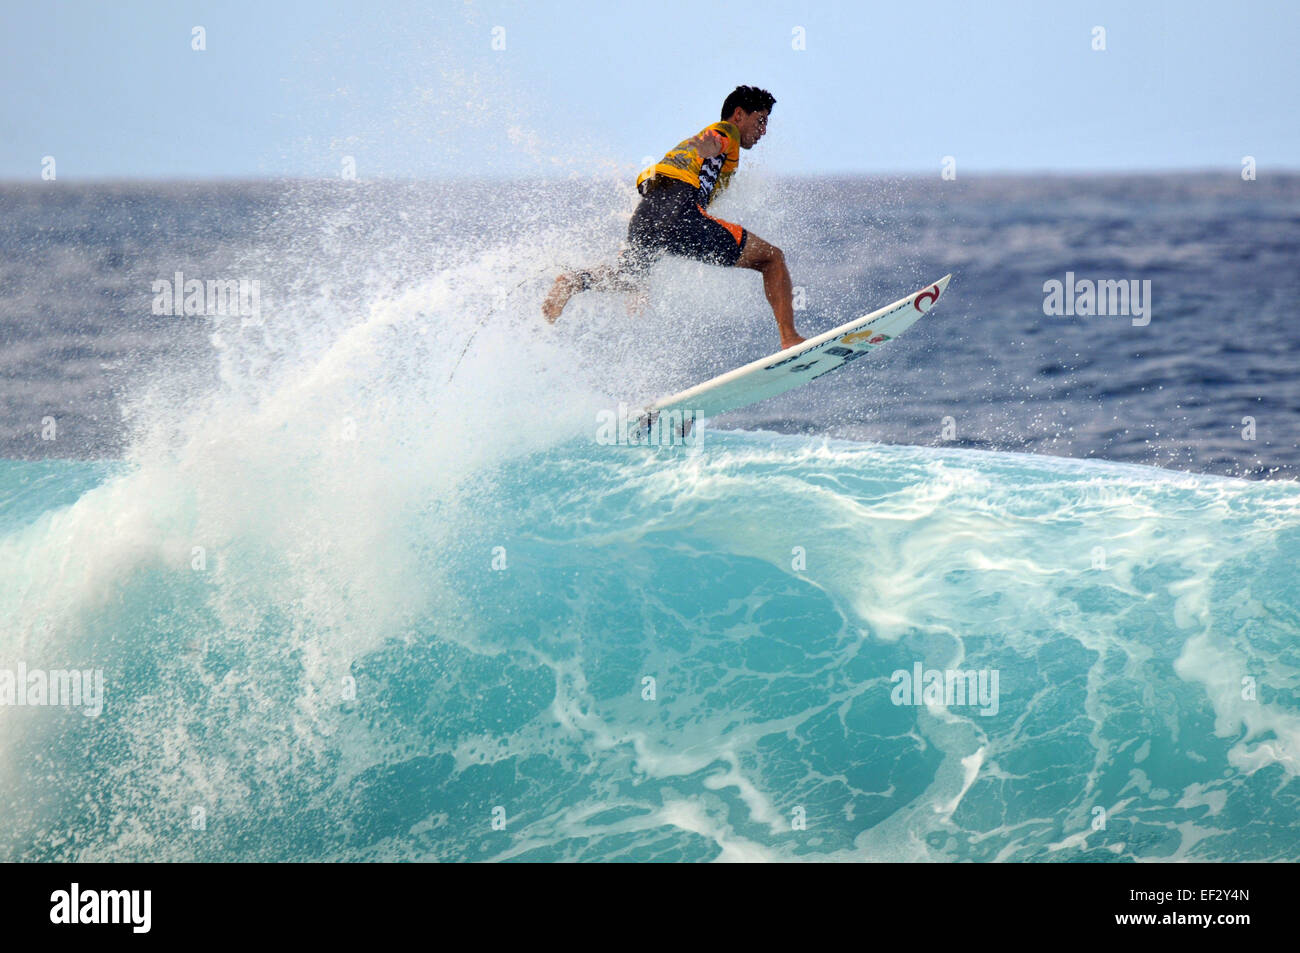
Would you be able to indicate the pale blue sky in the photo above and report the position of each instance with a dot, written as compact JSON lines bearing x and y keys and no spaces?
{"x":113,"y":90}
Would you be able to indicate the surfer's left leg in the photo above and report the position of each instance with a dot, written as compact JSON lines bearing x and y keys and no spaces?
{"x":708,"y":238}
{"x":770,"y":261}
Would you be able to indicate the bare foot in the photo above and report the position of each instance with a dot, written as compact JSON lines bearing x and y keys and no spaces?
{"x":790,"y":340}
{"x":565,"y":287}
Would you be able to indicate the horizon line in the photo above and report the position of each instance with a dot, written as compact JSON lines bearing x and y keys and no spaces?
{"x":1228,"y":171}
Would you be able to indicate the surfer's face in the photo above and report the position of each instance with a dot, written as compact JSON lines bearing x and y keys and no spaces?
{"x":752,"y":126}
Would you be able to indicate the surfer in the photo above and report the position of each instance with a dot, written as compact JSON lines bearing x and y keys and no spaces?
{"x":671,"y":216}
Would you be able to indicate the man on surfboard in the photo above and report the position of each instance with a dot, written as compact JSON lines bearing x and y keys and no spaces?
{"x":671,"y":216}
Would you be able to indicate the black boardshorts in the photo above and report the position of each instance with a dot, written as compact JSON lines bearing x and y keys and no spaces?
{"x":670,"y":219}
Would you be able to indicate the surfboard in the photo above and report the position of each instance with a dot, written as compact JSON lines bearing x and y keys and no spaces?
{"x":785,"y":370}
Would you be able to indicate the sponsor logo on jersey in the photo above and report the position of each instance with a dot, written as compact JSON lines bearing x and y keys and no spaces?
{"x":709,"y":170}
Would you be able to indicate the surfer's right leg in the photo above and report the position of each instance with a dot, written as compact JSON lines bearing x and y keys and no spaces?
{"x":645,"y":242}
{"x":565,"y":287}
{"x":626,"y":276}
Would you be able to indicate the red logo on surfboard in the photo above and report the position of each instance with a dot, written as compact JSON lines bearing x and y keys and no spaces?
{"x":929,"y":295}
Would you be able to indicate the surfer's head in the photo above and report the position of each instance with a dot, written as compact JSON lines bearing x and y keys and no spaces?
{"x":748,"y":107}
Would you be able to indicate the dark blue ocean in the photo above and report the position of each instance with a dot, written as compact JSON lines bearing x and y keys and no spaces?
{"x":1222,"y":256}
{"x":349,"y":576}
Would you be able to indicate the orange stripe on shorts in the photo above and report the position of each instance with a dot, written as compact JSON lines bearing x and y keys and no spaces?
{"x":736,"y":230}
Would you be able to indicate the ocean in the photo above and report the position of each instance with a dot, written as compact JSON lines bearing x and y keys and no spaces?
{"x":345,"y":573}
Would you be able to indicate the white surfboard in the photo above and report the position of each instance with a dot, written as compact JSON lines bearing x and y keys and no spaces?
{"x":785,"y":370}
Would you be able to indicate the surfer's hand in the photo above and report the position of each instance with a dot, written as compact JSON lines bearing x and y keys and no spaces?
{"x":709,"y":145}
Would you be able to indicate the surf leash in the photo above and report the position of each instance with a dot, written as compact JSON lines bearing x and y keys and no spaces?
{"x":483,"y":321}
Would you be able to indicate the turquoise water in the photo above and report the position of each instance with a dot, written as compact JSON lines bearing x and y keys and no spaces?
{"x":340,"y":653}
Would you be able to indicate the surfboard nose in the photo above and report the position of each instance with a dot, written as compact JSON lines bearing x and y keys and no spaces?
{"x":926,"y":298}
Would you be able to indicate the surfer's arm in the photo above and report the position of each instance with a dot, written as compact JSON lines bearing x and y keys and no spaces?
{"x":708,"y":144}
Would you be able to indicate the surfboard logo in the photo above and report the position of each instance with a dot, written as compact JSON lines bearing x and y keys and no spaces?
{"x":930,"y":296}
{"x":868,"y":336}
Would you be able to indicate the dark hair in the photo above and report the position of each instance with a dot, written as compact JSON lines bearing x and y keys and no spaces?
{"x":749,"y":98}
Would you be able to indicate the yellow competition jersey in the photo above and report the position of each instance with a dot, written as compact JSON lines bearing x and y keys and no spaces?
{"x":710,"y":176}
